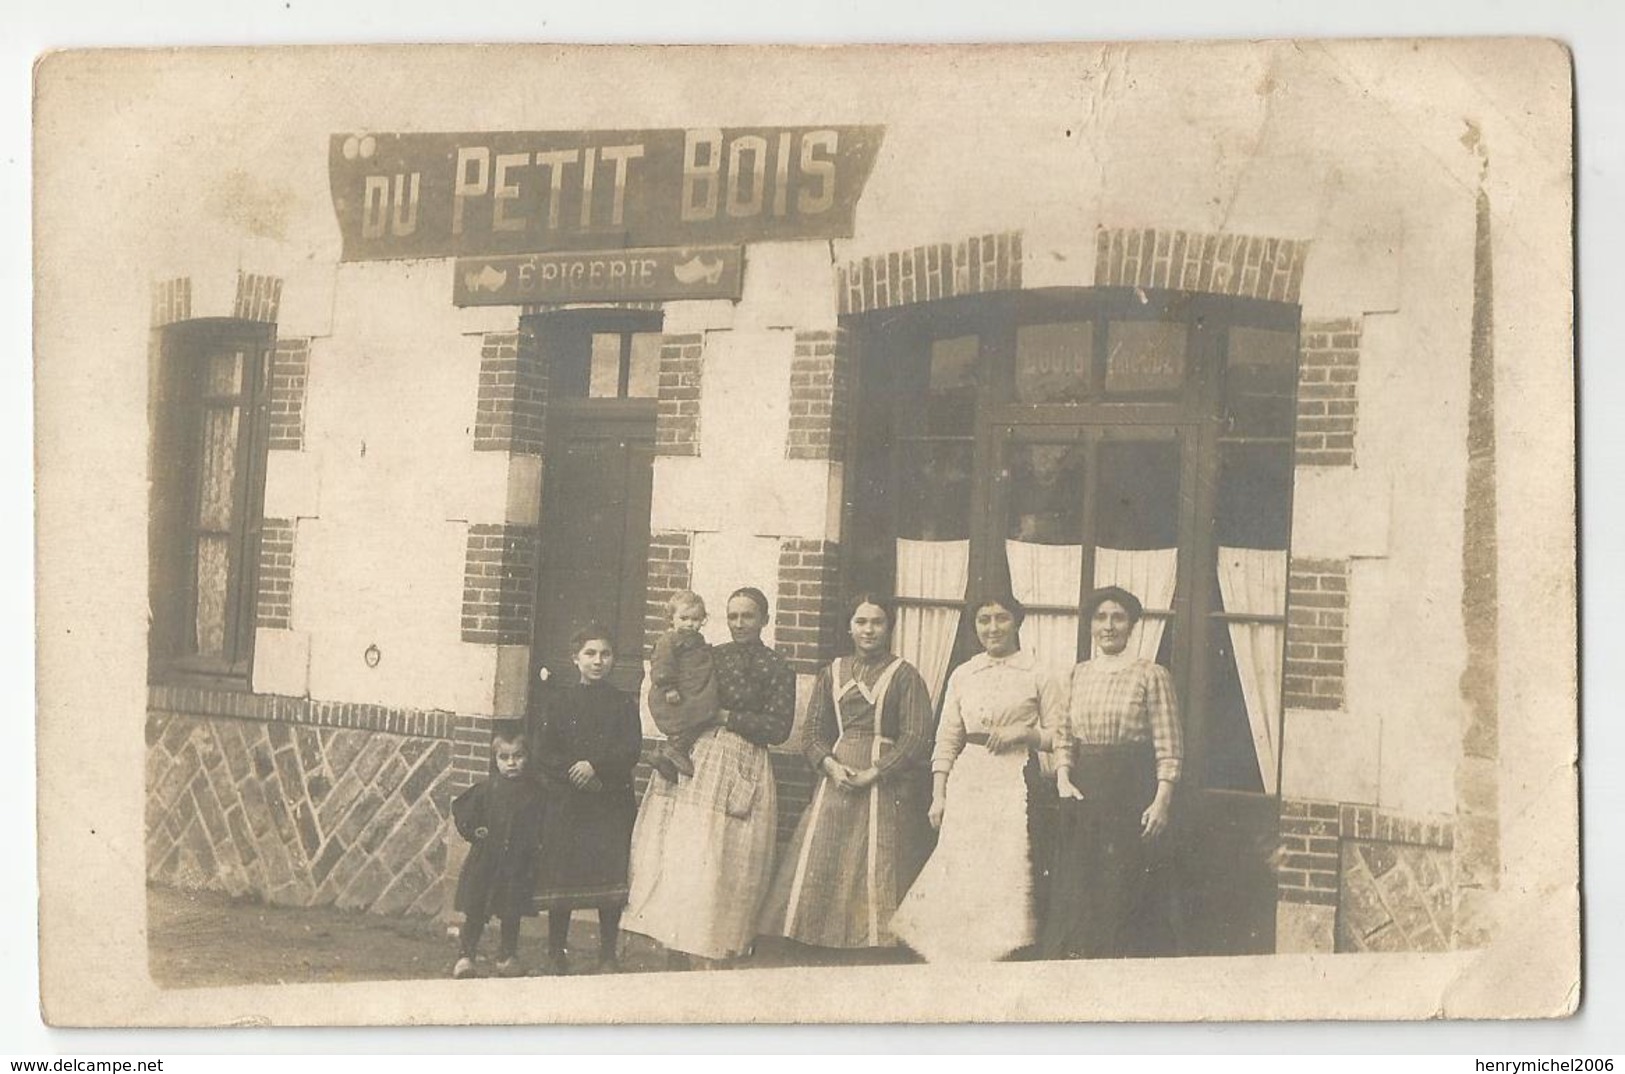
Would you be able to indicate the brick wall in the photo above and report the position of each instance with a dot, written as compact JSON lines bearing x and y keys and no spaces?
{"x":927,"y":273}
{"x":1250,"y":266}
{"x":677,"y":417}
{"x":804,"y":624}
{"x":258,"y":298}
{"x":1328,"y":382}
{"x":276,"y":573}
{"x":1310,"y":833}
{"x":298,"y":815}
{"x":499,"y":579}
{"x":171,"y":301}
{"x":819,"y":378}
{"x":1316,"y":633}
{"x":671,"y":559}
{"x":510,"y":411}
{"x":290,"y":366}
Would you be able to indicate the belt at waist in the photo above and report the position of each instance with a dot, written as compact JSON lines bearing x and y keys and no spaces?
{"x":976,"y":738}
{"x":1115,"y":749}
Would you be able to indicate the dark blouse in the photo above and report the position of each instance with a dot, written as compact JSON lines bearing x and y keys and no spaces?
{"x":758,"y":689}
{"x":597,"y":724}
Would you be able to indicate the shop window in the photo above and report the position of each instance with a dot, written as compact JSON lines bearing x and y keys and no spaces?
{"x":1060,"y":440}
{"x":601,"y":353}
{"x":623,"y":365}
{"x":208,"y":472}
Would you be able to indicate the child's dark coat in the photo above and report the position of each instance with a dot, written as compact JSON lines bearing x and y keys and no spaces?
{"x":498,"y":878}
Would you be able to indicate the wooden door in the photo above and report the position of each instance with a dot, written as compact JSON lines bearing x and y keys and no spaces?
{"x":597,"y":480}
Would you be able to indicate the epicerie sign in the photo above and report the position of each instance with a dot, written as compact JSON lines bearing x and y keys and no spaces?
{"x":518,"y":192}
{"x":610,"y":275}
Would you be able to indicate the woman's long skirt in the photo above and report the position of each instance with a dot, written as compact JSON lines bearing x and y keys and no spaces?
{"x":853,"y":856}
{"x":702,"y":850}
{"x":973,"y":900}
{"x":1100,"y":878}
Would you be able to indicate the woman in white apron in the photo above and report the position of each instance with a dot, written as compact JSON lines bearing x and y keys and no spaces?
{"x":863,"y":838}
{"x":973,"y":900}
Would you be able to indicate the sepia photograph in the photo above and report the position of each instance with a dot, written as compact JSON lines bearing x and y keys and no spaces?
{"x":879,"y":534}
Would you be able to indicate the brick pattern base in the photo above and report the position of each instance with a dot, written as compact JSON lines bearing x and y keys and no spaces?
{"x":299,"y":816}
{"x":1395,"y":898}
{"x":1316,"y":633}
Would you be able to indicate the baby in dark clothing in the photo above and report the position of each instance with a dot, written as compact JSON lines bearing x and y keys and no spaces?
{"x":683,"y":686}
{"x":501,"y":818}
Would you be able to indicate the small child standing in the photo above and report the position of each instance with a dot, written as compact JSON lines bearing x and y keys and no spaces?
{"x":683,"y":690}
{"x":501,"y":819}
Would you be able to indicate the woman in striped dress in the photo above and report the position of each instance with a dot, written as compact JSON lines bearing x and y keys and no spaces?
{"x":864,"y":837}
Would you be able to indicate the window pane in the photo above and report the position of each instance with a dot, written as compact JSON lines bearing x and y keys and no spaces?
{"x":953,"y":382}
{"x":1054,"y":362}
{"x":1254,"y":504}
{"x":644,"y":381}
{"x":213,"y":571}
{"x":934,"y":498}
{"x":1260,"y":382}
{"x":1145,"y":356}
{"x":1046,"y":494}
{"x":219,"y":468}
{"x":223,"y":373}
{"x":1137,"y":500}
{"x":604,"y":370}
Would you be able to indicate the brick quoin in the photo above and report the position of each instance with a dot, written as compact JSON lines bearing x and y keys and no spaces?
{"x":805,"y":614}
{"x":510,"y":410}
{"x":1328,"y":383}
{"x":1249,"y":266}
{"x":819,"y":385}
{"x":677,"y":413}
{"x":1316,"y":633}
{"x":927,"y":273}
{"x":1308,"y":862}
{"x":290,"y":366}
{"x":275,"y":605}
{"x":671,"y":562}
{"x":499,"y":579}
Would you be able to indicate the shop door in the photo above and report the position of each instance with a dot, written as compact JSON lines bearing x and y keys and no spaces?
{"x":1081,"y":505}
{"x":596,"y":485}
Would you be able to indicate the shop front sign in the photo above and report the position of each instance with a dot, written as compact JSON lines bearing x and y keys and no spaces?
{"x":653,"y":274}
{"x":524,"y":192}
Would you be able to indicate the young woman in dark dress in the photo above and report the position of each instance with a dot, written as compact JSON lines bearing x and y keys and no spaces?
{"x":586,"y":748}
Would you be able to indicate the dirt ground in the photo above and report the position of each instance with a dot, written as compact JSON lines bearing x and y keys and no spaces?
{"x":203,"y":939}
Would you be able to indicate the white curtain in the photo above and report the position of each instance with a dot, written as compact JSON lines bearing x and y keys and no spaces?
{"x":932,"y":570}
{"x":1252,"y":581}
{"x":1047,"y":574}
{"x":1148,"y":573}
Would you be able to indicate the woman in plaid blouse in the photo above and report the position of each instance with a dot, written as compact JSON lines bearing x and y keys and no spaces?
{"x":1118,"y":750}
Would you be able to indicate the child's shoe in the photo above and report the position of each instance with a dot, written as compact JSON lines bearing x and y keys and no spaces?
{"x":509,"y":967}
{"x":464,"y":968}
